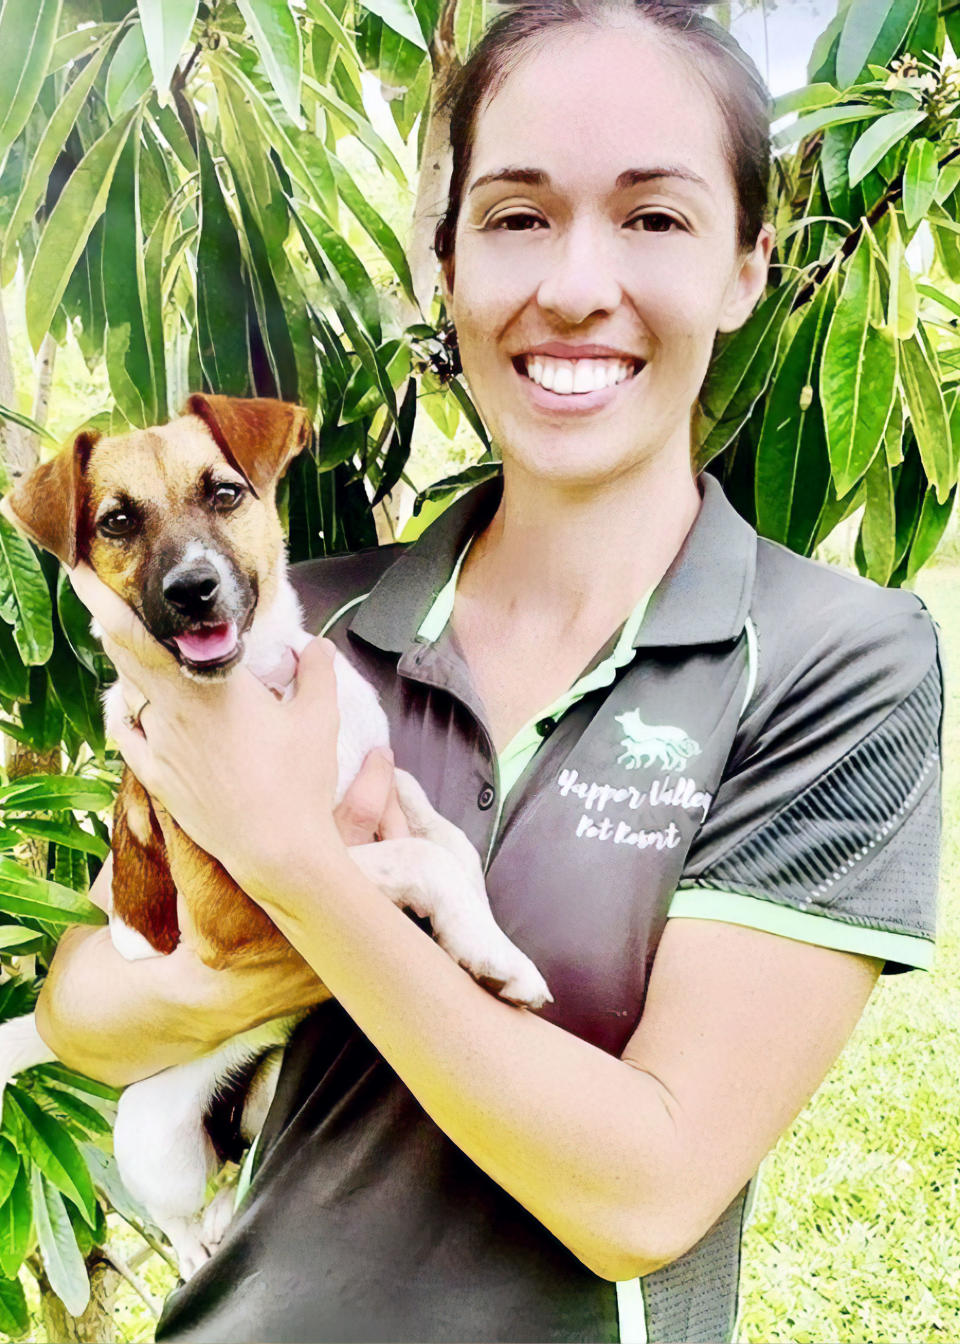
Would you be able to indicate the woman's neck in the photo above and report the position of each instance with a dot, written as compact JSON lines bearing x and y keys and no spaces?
{"x":567,"y":558}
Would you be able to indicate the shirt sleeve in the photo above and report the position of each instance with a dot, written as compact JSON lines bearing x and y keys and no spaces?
{"x":826,"y":825}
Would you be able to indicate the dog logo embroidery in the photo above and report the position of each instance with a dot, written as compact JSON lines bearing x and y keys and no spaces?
{"x":646,"y":744}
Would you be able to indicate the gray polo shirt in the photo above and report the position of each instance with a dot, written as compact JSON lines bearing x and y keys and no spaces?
{"x":758,"y":744}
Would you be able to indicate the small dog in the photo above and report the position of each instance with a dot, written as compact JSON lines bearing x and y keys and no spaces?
{"x":181,"y":522}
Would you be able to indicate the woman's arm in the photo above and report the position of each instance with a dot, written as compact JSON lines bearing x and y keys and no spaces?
{"x":627,"y":1161}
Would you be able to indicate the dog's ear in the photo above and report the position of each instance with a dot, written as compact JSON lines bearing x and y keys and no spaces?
{"x":46,"y":504}
{"x":257,"y":435}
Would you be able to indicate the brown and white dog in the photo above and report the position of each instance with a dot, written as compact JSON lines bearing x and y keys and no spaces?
{"x":181,"y":522}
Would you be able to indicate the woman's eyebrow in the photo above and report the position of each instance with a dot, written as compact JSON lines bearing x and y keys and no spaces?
{"x":630,"y":177}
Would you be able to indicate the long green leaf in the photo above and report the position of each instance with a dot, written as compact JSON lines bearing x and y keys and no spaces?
{"x":221,"y":294}
{"x":128,"y":79}
{"x":740,"y":370}
{"x":79,"y":42}
{"x":54,"y":1152}
{"x":24,"y":596}
{"x":13,"y":935}
{"x":401,"y":17}
{"x":360,"y":127}
{"x":28,"y":30}
{"x":18,"y":418}
{"x":14,"y":1313}
{"x":931,"y":526}
{"x":50,"y":147}
{"x":9,"y":1166}
{"x":64,"y":833}
{"x":808,"y":99}
{"x":792,"y":467}
{"x":857,"y":376}
{"x":878,"y":531}
{"x":166,"y":26}
{"x":816,"y":121}
{"x":56,"y":793}
{"x":16,"y":1224}
{"x":920,"y":179}
{"x":928,"y":413}
{"x":878,"y":139}
{"x":80,"y":205}
{"x":79,"y":1113}
{"x":872,"y":32}
{"x":375,"y":225}
{"x":24,"y":895}
{"x":277,"y":40}
{"x":58,"y":1247}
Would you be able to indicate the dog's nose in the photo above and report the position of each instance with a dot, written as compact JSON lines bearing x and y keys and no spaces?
{"x":192,"y":591}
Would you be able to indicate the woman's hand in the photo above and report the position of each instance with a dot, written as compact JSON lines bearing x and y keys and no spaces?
{"x":250,"y":779}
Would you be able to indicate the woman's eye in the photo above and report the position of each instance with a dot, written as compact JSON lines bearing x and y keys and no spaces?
{"x":506,"y":220}
{"x":119,"y":523}
{"x":226,"y":495}
{"x":659,"y":218}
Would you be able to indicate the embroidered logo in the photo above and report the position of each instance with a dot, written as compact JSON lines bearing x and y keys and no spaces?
{"x":646,"y":744}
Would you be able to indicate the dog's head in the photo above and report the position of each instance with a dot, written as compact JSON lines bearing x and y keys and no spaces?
{"x":179,"y":520}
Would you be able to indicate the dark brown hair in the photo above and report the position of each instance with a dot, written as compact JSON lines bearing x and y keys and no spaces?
{"x":731,"y":75}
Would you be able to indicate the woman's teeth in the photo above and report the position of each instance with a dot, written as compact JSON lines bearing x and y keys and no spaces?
{"x":577,"y":375}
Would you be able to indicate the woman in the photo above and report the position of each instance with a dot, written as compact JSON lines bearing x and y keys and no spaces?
{"x":701,"y":770}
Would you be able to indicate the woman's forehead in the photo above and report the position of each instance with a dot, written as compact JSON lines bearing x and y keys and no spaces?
{"x":624,"y":96}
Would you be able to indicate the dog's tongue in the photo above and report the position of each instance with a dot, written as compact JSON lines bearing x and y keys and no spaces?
{"x":209,"y":644}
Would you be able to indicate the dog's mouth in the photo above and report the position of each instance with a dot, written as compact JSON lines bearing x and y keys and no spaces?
{"x":208,"y":648}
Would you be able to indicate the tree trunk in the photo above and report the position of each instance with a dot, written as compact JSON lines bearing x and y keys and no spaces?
{"x":96,"y":1325}
{"x":18,"y":451}
{"x":46,"y":361}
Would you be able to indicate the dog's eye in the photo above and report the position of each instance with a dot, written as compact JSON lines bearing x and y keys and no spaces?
{"x":226,"y":495}
{"x":119,"y":523}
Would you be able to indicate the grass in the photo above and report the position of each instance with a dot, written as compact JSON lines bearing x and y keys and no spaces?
{"x":854,"y":1232}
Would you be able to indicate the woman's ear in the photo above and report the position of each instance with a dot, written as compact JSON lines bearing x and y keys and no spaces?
{"x":748,"y":283}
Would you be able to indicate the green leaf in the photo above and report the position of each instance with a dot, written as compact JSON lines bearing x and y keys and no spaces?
{"x":107,"y":1179}
{"x":12,"y":935}
{"x":808,"y":99}
{"x":872,"y":32}
{"x":56,"y":793}
{"x":920,"y":181}
{"x":37,"y":179}
{"x":79,"y":1113}
{"x":740,"y":370}
{"x":903,"y":301}
{"x":54,"y":1152}
{"x":75,"y":623}
{"x":360,"y":127}
{"x":80,"y":205}
{"x":16,"y":1225}
{"x":277,"y":40}
{"x":64,"y":833}
{"x":78,"y":1081}
{"x":166,"y":27}
{"x":13,"y":674}
{"x":931,"y":526}
{"x":9,"y":1167}
{"x":878,"y":139}
{"x":920,"y":379}
{"x":792,"y":466}
{"x":399,"y":15}
{"x":878,"y":530}
{"x":58,"y":1247}
{"x":24,"y":596}
{"x":14,"y":1314}
{"x":221,"y":293}
{"x":28,"y":30}
{"x":25,"y":895}
{"x":816,"y":121}
{"x":18,"y":418}
{"x":129,"y":78}
{"x":857,"y":375}
{"x":80,"y":42}
{"x":374,"y":224}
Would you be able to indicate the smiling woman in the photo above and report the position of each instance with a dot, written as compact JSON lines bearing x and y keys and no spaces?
{"x":702,"y":772}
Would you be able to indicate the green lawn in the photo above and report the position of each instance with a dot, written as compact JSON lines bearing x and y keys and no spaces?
{"x":855,"y":1234}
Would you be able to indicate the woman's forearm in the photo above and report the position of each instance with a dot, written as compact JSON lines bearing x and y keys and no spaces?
{"x":552,"y":1119}
{"x":121,"y":1021}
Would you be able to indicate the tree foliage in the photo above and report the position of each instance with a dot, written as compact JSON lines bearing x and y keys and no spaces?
{"x":173,"y":188}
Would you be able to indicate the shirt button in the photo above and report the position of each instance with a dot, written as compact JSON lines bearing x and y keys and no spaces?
{"x":546,"y":726}
{"x":485,"y":798}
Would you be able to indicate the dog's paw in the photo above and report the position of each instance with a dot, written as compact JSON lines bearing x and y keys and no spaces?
{"x":511,"y":975}
{"x":217,"y":1217}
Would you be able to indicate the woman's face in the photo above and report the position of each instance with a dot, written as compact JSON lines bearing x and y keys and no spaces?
{"x":591,"y":254}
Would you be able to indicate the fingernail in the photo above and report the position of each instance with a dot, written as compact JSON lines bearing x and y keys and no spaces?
{"x":329,"y":648}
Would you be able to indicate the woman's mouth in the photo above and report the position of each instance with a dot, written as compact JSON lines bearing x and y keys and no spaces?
{"x":574,"y":384}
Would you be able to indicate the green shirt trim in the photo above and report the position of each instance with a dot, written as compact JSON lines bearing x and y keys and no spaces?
{"x":730,"y":907}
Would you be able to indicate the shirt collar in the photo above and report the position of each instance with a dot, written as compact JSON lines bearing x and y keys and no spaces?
{"x":703,"y":598}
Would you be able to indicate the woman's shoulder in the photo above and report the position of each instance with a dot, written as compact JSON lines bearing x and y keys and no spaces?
{"x":328,"y":584}
{"x":820,"y":622}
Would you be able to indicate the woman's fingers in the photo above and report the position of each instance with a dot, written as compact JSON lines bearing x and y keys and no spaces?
{"x":126,"y":641}
{"x":361,"y":811}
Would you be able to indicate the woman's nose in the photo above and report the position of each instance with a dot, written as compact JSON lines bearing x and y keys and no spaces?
{"x":581,"y":272}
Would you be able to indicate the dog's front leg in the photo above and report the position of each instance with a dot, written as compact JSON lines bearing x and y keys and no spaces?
{"x":427,"y":879}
